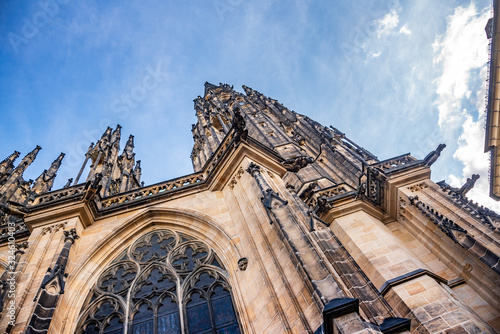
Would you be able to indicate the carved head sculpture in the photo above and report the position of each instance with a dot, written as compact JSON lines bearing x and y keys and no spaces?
{"x":243,"y":263}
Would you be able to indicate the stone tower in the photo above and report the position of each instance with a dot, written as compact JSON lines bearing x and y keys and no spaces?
{"x":285,"y":226}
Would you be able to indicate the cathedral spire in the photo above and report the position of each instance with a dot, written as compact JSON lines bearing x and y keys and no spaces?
{"x":107,"y":134}
{"x":138,"y":171}
{"x":7,"y":165}
{"x":45,"y":181}
{"x":129,"y":147}
{"x":8,"y":162}
{"x":14,"y":180}
{"x":115,"y":136}
{"x":29,"y":158}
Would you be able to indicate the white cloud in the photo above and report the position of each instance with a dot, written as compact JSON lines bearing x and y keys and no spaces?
{"x":374,"y":54}
{"x":461,"y":49}
{"x":387,"y":24}
{"x":470,"y":153}
{"x":405,"y":30}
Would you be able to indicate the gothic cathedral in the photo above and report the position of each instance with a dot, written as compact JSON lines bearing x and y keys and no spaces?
{"x":285,"y":226}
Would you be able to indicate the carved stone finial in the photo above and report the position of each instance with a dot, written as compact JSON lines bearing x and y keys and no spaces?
{"x":129,"y":146}
{"x":21,"y":247}
{"x":45,"y":181}
{"x":68,"y":184}
{"x":434,"y":155}
{"x":8,"y":163}
{"x":70,"y":235}
{"x":243,"y":263}
{"x":253,"y":168}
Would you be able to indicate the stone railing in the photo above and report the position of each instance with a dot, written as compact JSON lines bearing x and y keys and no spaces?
{"x":144,"y":192}
{"x":401,"y":161}
{"x":154,"y":189}
{"x":329,"y":192}
{"x":58,"y":194}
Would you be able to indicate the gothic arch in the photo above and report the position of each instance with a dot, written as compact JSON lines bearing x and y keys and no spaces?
{"x":169,"y":282}
{"x":102,"y":252}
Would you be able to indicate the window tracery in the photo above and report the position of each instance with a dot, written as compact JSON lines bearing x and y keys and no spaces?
{"x":165,"y":282}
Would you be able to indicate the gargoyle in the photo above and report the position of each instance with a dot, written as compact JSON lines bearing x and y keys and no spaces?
{"x":434,"y":155}
{"x":308,"y":192}
{"x":296,"y":164}
{"x":13,"y":209}
{"x":471,"y":181}
{"x":323,"y":205}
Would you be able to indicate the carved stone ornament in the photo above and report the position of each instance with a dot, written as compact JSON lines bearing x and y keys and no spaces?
{"x":70,"y":235}
{"x":253,"y":168}
{"x":308,"y":192}
{"x":297,"y":163}
{"x":92,"y":187}
{"x":445,"y":224}
{"x":323,"y":205}
{"x":13,"y":210}
{"x":243,"y":263}
{"x":239,"y":125}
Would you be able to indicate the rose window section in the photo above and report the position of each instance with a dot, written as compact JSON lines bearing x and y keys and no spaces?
{"x":165,"y":282}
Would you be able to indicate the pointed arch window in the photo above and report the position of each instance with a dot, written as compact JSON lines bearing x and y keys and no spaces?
{"x":165,"y":282}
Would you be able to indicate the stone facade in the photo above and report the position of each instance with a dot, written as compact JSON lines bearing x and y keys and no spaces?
{"x":286,"y":226}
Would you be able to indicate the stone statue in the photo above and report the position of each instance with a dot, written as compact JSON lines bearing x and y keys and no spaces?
{"x":239,"y":126}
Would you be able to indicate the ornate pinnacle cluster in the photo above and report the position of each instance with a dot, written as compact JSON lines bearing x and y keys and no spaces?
{"x":118,"y":172}
{"x":13,"y":187}
{"x":45,"y":181}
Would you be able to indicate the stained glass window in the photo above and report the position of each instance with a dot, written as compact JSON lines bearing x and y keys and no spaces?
{"x":165,"y":280}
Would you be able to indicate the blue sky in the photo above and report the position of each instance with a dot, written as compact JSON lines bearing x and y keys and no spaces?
{"x":395,"y":76}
